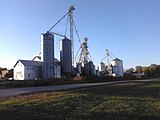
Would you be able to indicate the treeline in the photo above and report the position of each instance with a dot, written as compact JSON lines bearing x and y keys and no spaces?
{"x":151,"y":71}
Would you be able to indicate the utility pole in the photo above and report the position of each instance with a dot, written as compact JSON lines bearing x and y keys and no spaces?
{"x":70,"y":14}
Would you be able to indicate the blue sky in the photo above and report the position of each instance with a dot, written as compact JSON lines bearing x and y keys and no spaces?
{"x":129,"y":29}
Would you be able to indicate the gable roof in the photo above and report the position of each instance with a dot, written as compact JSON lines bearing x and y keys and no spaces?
{"x":39,"y":57}
{"x":28,"y":63}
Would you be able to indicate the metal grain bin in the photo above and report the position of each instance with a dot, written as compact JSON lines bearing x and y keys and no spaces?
{"x":47,"y":55}
{"x":66,"y":55}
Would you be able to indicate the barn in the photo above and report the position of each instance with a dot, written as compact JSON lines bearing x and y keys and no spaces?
{"x":27,"y":70}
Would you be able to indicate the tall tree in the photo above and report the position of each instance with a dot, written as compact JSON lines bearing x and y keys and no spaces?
{"x":145,"y":70}
{"x":139,"y":69}
{"x":153,"y":69}
{"x":130,"y":70}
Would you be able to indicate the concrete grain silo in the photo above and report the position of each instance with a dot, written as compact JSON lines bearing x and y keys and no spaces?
{"x":66,"y":55}
{"x":47,"y":55}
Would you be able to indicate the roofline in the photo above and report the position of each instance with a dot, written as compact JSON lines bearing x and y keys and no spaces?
{"x":16,"y":63}
{"x":25,"y":60}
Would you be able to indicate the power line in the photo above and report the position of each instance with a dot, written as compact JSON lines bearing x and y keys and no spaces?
{"x":156,"y":6}
{"x":149,"y":18}
{"x":144,"y":18}
{"x":157,"y":11}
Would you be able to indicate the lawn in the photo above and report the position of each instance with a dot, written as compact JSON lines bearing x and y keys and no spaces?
{"x":125,"y":101}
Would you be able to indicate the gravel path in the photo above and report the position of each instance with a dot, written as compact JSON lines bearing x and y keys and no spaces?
{"x":19,"y":91}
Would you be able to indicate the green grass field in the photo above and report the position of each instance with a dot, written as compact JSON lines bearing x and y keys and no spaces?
{"x":126,"y":101}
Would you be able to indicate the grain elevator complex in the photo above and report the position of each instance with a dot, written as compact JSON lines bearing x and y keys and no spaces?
{"x":46,"y":66}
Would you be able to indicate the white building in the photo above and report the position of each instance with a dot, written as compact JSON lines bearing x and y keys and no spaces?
{"x":101,"y":67}
{"x":117,"y":68}
{"x":27,"y":70}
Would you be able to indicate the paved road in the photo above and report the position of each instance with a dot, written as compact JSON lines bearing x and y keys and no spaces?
{"x":19,"y":91}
